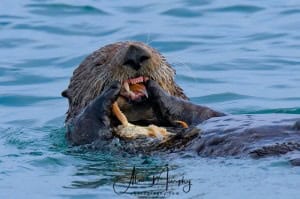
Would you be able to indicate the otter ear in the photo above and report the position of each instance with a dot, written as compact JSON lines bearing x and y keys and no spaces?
{"x":65,"y":93}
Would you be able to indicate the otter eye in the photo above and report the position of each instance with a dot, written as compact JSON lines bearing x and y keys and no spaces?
{"x":144,"y":58}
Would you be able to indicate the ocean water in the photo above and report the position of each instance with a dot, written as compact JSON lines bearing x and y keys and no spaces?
{"x":234,"y":56}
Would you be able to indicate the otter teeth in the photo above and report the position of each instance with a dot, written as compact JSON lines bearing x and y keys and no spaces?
{"x":139,"y":91}
{"x":126,"y":86}
{"x":136,"y":80}
{"x":127,"y":89}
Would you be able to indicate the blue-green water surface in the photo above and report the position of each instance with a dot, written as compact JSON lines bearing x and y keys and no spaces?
{"x":234,"y":56}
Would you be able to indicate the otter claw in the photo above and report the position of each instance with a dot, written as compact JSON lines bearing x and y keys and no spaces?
{"x":182,"y":123}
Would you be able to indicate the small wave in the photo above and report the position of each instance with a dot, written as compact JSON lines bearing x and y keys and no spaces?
{"x":277,"y":110}
{"x":21,"y":79}
{"x":238,"y":9}
{"x":144,"y":37}
{"x":264,"y":36}
{"x":17,"y":137}
{"x":196,"y":80}
{"x":171,"y":46}
{"x":290,"y":98}
{"x":56,"y":9}
{"x":283,"y":61}
{"x":134,"y":9}
{"x":290,"y":12}
{"x":21,"y":100}
{"x":48,"y":162}
{"x":70,"y":62}
{"x":37,"y":62}
{"x":67,"y":31}
{"x":10,"y":17}
{"x":182,"y":12}
{"x":15,"y":42}
{"x":221,"y":97}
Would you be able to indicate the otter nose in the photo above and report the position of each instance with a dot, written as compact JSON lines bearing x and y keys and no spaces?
{"x":135,"y":55}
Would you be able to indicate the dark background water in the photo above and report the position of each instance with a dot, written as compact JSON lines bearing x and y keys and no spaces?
{"x":234,"y":56}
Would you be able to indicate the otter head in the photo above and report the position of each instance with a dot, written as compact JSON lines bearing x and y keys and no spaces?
{"x":131,"y":63}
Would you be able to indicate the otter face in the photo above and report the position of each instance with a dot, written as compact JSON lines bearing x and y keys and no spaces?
{"x":131,"y":63}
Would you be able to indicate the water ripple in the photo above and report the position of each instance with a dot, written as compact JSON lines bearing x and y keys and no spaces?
{"x":65,"y":31}
{"x":220,"y":97}
{"x":15,"y":42}
{"x":21,"y":100}
{"x":197,"y":80}
{"x":37,"y":62}
{"x":135,"y":9}
{"x":171,"y":46}
{"x":146,"y":38}
{"x":60,"y":9}
{"x":11,"y":17}
{"x":182,"y":12}
{"x":70,"y":62}
{"x":22,"y":79}
{"x":265,"y":36}
{"x":238,"y":9}
{"x":278,"y":110}
{"x":290,"y":12}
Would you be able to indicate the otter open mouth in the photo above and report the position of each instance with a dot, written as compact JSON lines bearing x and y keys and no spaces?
{"x":134,"y":88}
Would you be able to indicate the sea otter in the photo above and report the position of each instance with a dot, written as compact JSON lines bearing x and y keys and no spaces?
{"x":105,"y":77}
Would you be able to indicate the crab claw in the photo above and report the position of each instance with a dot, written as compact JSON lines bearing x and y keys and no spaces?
{"x":139,"y":89}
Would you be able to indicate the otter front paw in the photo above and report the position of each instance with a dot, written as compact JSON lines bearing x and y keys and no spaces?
{"x":168,"y":108}
{"x":94,"y":122}
{"x":176,"y":110}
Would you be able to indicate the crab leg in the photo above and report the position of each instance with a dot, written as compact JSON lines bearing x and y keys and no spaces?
{"x":128,"y":130}
{"x":118,"y":113}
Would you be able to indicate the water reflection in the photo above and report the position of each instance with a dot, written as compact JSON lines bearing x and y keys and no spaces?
{"x":142,"y":177}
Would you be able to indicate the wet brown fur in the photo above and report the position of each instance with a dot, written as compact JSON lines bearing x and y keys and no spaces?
{"x":105,"y":65}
